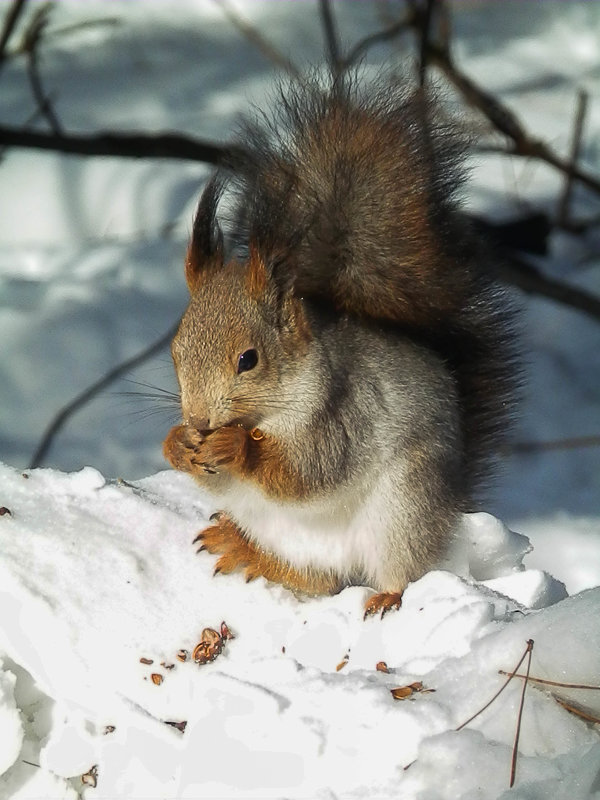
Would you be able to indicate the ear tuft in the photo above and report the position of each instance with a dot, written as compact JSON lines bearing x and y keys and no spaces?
{"x":205,"y":250}
{"x":257,"y":279}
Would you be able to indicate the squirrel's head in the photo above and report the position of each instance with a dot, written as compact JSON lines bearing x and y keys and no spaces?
{"x":243,"y":336}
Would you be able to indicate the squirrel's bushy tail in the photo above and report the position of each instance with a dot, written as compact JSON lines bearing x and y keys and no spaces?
{"x":352,"y":188}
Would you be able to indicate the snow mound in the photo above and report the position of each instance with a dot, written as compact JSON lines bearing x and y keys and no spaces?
{"x":95,"y":576}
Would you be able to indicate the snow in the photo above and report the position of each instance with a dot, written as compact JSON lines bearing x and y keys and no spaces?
{"x":97,"y":573}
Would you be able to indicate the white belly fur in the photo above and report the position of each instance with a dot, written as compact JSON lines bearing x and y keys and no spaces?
{"x":337,"y":533}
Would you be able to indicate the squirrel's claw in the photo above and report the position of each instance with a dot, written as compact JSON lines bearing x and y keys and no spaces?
{"x":382,"y":602}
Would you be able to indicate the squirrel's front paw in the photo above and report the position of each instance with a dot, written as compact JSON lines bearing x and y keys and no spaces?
{"x":225,"y":447}
{"x":182,"y":447}
{"x":189,"y":450}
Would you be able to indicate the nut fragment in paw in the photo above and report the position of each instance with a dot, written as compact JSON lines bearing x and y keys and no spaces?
{"x":256,"y":434}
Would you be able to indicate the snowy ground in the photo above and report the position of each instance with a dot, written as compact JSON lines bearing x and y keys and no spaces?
{"x":95,"y":575}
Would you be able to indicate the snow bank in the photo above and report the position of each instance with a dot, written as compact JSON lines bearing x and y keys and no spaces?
{"x":95,"y":576}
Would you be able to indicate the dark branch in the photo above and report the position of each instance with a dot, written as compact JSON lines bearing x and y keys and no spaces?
{"x":574,"y":443}
{"x":529,"y":279}
{"x":331,"y":36}
{"x":384,"y":35}
{"x":129,"y":145}
{"x":257,"y":39}
{"x":563,"y":208}
{"x":425,"y":36}
{"x":10,"y":22}
{"x":31,"y":42}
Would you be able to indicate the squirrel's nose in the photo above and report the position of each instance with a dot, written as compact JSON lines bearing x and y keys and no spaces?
{"x":200,"y":423}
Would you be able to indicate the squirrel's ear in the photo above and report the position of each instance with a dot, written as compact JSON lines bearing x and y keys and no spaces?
{"x":205,"y":250}
{"x":269,"y":277}
{"x":257,"y":278}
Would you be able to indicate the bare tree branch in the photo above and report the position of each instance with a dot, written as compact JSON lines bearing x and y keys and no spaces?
{"x":384,"y":35}
{"x":257,"y":39}
{"x":529,"y":279}
{"x":573,"y":443}
{"x":30,"y":46}
{"x":501,"y":117}
{"x":506,"y":122}
{"x":563,"y":208}
{"x":425,"y":35}
{"x":10,"y":22}
{"x":88,"y":394}
{"x":331,"y":36}
{"x":129,"y":145}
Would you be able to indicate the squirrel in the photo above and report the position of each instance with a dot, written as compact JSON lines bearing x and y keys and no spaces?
{"x":347,"y":366}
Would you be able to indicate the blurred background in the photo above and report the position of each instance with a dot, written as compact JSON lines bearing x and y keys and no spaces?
{"x":93,"y":228}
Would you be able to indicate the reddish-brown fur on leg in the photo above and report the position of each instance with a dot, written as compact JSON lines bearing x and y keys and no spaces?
{"x":268,"y":465}
{"x":237,"y":552}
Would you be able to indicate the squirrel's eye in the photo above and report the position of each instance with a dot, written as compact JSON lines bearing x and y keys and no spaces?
{"x":248,"y":360}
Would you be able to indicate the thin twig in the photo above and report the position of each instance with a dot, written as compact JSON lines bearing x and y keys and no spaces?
{"x":256,"y":38}
{"x":513,"y":763}
{"x":553,"y":683}
{"x":44,"y":103}
{"x":331,"y":36}
{"x":88,"y":394}
{"x":563,"y":208}
{"x":529,"y":279}
{"x":577,"y":711}
{"x":558,"y":444}
{"x":578,"y":226}
{"x":498,"y":693}
{"x":10,"y":22}
{"x":425,"y":36}
{"x":384,"y":35}
{"x":31,"y":41}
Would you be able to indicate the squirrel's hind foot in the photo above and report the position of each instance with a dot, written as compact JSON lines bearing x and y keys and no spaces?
{"x":226,"y":538}
{"x":237,"y":552}
{"x":382,"y":602}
